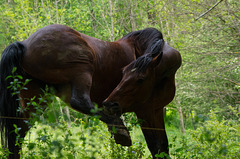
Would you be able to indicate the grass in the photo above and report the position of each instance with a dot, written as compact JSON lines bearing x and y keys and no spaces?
{"x":81,"y":139}
{"x":85,"y":137}
{"x":53,"y":135}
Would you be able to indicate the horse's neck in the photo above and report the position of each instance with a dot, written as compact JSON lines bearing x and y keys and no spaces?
{"x":111,"y":57}
{"x":138,"y":51}
{"x":116,"y":55}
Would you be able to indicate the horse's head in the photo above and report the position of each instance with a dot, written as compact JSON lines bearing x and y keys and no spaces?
{"x":142,"y":76}
{"x":135,"y":86}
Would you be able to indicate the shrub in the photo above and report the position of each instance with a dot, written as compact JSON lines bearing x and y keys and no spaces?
{"x":214,"y":139}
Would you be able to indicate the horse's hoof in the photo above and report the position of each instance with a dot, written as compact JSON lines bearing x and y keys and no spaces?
{"x":122,"y":137}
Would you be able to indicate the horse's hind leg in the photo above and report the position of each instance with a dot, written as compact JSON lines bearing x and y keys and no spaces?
{"x":34,"y":90}
{"x":154,"y":131}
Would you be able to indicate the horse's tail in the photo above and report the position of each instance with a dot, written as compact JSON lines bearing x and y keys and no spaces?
{"x":10,"y":65}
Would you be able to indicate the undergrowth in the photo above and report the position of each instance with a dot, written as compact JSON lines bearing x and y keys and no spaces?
{"x":59,"y":132}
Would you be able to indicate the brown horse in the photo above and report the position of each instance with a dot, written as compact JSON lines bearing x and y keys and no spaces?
{"x":80,"y":68}
{"x":148,"y":84}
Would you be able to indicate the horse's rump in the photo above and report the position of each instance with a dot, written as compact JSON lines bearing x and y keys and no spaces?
{"x":56,"y":53}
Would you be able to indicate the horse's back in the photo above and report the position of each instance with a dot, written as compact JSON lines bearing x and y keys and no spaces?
{"x":56,"y":53}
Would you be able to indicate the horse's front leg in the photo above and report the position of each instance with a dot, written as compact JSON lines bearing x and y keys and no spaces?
{"x":117,"y":128}
{"x":80,"y":101}
{"x":154,"y":131}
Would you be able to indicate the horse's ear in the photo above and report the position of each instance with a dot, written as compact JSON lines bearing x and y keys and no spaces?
{"x":156,"y":60}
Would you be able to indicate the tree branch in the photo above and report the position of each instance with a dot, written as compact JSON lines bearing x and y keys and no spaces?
{"x":208,"y":10}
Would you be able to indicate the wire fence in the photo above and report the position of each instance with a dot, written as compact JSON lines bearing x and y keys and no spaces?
{"x":115,"y":125}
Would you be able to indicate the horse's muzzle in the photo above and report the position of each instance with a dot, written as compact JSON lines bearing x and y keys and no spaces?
{"x":112,"y":108}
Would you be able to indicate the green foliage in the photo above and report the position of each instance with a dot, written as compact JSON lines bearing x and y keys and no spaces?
{"x":209,"y":77}
{"x":163,"y":155}
{"x":207,"y":81}
{"x":214,"y":139}
{"x":55,"y":135}
{"x":84,"y":137}
{"x":17,"y":84}
{"x":4,"y":153}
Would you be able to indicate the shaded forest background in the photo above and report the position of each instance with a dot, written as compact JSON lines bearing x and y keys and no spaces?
{"x":206,"y":32}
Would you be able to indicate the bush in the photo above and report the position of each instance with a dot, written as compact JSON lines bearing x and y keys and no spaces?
{"x":214,"y":139}
{"x":84,"y":138}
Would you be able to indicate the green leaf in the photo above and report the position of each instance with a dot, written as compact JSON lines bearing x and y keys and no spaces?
{"x":8,"y":77}
{"x":51,"y":117}
{"x":70,"y":156}
{"x":14,"y":70}
{"x":31,"y":146}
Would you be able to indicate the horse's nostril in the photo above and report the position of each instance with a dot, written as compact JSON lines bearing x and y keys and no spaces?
{"x":114,"y":104}
{"x":111,"y":108}
{"x":110,"y":104}
{"x":105,"y":104}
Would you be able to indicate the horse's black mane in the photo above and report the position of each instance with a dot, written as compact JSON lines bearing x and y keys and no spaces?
{"x":150,"y":42}
{"x":144,"y":38}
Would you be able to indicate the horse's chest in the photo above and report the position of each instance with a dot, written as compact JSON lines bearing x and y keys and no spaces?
{"x":164,"y":94}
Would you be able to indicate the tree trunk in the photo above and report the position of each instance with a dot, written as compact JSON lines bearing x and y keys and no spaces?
{"x":94,"y":24}
{"x":179,"y":108}
{"x":111,"y":16}
{"x":131,"y":16}
{"x":193,"y":125}
{"x":181,"y":119}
